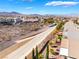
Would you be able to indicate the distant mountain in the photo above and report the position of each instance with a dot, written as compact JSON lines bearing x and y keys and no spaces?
{"x":14,"y":13}
{"x":35,"y":15}
{"x":9,"y":13}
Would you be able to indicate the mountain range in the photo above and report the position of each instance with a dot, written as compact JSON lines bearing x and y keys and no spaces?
{"x":9,"y":13}
{"x":17,"y":13}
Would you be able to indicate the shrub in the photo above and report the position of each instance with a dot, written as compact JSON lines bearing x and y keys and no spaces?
{"x":41,"y":56}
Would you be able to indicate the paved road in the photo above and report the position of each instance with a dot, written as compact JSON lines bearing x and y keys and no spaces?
{"x":71,"y":31}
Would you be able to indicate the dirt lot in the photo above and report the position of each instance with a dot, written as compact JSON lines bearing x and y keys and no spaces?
{"x":11,"y":33}
{"x":8,"y":32}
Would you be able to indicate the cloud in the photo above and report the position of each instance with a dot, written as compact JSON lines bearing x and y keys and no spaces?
{"x":61,"y":3}
{"x":28,"y":8}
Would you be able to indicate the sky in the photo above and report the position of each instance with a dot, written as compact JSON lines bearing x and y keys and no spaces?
{"x":40,"y":6}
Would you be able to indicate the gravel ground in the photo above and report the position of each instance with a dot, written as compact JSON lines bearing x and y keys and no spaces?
{"x":16,"y":35}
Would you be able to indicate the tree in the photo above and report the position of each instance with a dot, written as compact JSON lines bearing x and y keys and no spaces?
{"x":33,"y":57}
{"x":48,"y":21}
{"x":60,"y":37}
{"x":47,"y":52}
{"x":51,"y":43}
{"x":52,"y":51}
{"x":59,"y":26}
{"x":37,"y":52}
